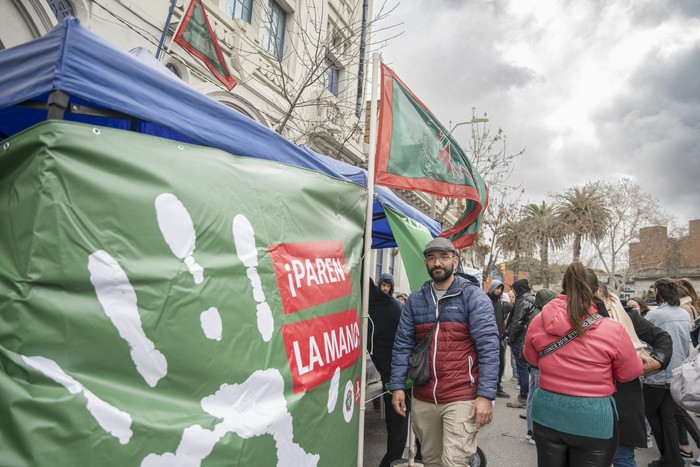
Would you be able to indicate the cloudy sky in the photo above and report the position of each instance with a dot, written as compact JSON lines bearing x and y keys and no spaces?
{"x":593,"y":89}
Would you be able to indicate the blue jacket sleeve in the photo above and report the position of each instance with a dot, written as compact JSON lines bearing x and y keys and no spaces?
{"x":404,"y":341}
{"x":484,"y":332}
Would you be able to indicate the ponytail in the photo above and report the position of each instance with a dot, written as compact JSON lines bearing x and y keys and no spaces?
{"x":579,"y":296}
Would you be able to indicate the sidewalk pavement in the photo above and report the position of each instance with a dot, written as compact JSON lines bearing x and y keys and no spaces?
{"x":503,"y":441}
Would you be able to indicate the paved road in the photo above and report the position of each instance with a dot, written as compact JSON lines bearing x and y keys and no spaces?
{"x":503,"y":441}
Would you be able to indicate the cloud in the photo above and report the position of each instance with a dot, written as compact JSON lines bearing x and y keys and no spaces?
{"x":593,"y":90}
{"x":656,"y":124}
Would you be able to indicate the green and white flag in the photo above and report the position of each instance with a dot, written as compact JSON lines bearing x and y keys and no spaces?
{"x":416,"y":152}
{"x":197,"y":37}
{"x":411,"y":237}
{"x":166,"y":304}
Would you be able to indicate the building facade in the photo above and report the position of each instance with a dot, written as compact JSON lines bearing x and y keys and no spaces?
{"x":300,"y":65}
{"x":656,"y":255}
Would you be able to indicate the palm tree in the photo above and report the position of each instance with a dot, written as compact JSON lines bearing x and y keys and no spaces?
{"x":513,"y":238}
{"x":542,"y":223}
{"x":583,"y":215}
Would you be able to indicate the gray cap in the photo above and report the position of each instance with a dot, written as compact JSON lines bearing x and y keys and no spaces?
{"x":441,"y":244}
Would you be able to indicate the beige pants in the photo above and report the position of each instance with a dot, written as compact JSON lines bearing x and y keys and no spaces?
{"x":447,"y":437}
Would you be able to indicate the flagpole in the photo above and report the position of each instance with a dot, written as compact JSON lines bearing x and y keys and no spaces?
{"x":165,"y":29}
{"x":366,"y":266}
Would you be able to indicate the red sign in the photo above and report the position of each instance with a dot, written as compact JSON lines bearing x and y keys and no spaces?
{"x":311,"y":273}
{"x":316,"y":347}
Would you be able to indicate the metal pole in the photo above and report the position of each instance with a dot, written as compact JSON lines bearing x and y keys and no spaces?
{"x":165,"y":29}
{"x":367,"y":248}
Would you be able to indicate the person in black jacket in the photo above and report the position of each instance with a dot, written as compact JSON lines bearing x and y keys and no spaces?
{"x":384,"y":315}
{"x":501,"y":310}
{"x":523,"y":310}
{"x":628,"y":396}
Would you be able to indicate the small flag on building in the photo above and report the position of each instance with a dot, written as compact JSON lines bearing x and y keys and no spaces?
{"x":415,"y":152}
{"x":197,"y":37}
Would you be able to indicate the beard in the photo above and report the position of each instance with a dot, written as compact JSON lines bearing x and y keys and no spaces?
{"x":441,"y":273}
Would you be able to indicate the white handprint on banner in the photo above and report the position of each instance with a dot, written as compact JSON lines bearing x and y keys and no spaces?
{"x":255,"y":407}
{"x":118,"y":299}
{"x":244,"y":239}
{"x":111,"y":419}
{"x":177,"y":228}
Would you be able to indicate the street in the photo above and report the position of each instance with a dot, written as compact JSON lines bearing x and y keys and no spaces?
{"x":503,"y":441}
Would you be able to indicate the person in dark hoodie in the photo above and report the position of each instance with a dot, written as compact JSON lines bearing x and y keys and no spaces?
{"x":384,"y":315}
{"x":501,"y":310}
{"x":386,"y":284}
{"x":523,"y":311}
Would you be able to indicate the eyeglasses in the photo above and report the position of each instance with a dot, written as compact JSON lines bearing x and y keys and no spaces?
{"x":443,"y":258}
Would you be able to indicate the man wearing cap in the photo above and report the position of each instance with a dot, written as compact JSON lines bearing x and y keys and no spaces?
{"x":523,"y":311}
{"x":458,"y":399}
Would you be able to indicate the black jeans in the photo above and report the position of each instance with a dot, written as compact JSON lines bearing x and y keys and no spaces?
{"x":396,"y":430}
{"x":557,"y":449}
{"x":661,"y":414}
{"x":686,"y":425}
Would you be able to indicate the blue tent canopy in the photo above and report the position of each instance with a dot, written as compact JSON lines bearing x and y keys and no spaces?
{"x":71,"y":73}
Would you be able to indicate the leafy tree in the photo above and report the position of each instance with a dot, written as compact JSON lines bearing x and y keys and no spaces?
{"x":583,"y":214}
{"x":630,"y":209}
{"x":541,"y":221}
{"x":317,"y":73}
{"x":532,"y":266}
{"x":499,"y":217}
{"x":514,"y":238}
{"x":488,"y":152}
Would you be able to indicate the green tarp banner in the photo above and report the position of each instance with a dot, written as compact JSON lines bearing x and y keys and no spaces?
{"x":411,"y":238}
{"x":164,"y":304}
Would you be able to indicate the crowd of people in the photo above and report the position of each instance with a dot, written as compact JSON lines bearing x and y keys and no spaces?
{"x":593,"y":371}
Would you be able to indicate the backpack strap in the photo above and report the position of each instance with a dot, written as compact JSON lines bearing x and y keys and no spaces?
{"x":437,"y":319}
{"x":571,"y":335}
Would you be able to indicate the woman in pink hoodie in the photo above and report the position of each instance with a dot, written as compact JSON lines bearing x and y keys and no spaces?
{"x":580,"y":356}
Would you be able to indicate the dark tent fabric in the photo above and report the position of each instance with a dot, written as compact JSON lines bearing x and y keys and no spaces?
{"x":97,"y":78}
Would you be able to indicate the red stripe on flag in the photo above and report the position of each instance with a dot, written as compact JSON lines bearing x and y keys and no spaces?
{"x":226,"y":79}
{"x":436,"y":165}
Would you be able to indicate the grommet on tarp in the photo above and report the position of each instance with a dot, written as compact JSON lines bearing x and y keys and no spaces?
{"x":6,"y":146}
{"x":180,"y":147}
{"x":96,"y":131}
